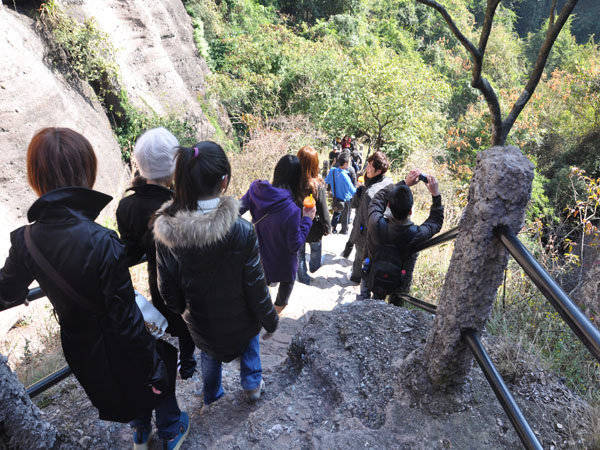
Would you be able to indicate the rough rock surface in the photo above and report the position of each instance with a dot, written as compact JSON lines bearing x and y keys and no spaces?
{"x":20,"y":420}
{"x":334,"y":380}
{"x":160,"y":67}
{"x":499,"y":194}
{"x":33,"y":96}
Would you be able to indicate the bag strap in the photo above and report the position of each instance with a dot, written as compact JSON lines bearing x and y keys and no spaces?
{"x":258,"y":221}
{"x":333,"y":179}
{"x":54,"y":276}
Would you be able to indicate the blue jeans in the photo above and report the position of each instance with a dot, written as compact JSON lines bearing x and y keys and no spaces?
{"x":167,"y":418}
{"x":314,"y":261}
{"x":342,"y":217}
{"x":250,"y":371}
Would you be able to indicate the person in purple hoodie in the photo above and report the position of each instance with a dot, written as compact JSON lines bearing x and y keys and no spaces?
{"x":280,"y":224}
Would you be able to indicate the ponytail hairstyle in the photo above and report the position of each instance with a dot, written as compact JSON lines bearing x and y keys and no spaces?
{"x":287,"y":176}
{"x":199,"y":172}
{"x":309,"y":167}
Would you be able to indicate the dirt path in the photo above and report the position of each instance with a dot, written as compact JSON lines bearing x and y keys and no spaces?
{"x":67,"y":406}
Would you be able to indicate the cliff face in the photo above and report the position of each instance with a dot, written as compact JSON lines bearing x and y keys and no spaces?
{"x":157,"y":58}
{"x":33,"y":96}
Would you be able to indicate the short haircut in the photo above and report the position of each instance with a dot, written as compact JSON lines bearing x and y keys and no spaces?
{"x":343,"y":158}
{"x":379,"y":161}
{"x":60,"y":157}
{"x":401,"y":201}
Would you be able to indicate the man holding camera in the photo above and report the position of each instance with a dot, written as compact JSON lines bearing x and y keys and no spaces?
{"x":391,"y":241}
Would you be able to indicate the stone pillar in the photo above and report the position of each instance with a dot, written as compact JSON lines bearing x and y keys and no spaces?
{"x":20,"y":420}
{"x":499,"y":193}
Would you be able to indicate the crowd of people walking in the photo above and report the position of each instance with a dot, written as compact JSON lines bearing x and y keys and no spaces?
{"x":208,"y":268}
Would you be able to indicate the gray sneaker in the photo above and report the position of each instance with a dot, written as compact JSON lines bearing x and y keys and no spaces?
{"x":253,"y":395}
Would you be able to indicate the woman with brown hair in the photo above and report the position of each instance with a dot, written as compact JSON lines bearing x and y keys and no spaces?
{"x":312,"y":183}
{"x":81,"y":267}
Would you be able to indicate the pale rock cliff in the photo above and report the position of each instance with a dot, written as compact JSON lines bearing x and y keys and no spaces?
{"x":159,"y":64}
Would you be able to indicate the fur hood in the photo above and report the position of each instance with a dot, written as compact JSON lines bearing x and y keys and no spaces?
{"x":194,"y":229}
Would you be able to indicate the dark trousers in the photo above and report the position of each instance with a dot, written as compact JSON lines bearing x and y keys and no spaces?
{"x":359,"y":257}
{"x":342,"y":217}
{"x":314,"y":261}
{"x":167,"y":414}
{"x":284,"y":292}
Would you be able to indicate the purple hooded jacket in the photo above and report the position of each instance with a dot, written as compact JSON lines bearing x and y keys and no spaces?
{"x":280,"y":227}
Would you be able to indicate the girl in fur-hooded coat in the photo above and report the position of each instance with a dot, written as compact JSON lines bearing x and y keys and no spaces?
{"x":209,"y":267}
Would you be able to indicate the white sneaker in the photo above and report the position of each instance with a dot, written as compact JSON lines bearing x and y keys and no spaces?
{"x":253,"y":395}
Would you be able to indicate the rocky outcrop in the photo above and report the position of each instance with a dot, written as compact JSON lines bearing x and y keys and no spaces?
{"x":21,"y":421}
{"x":159,"y":64}
{"x":498,"y":196}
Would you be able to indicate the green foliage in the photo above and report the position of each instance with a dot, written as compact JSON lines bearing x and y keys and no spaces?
{"x":395,"y":100}
{"x":531,"y":15}
{"x":311,"y":10}
{"x":133,"y":123}
{"x":87,"y":49}
{"x":540,"y":207}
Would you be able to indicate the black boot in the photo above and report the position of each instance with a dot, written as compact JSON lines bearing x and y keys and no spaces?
{"x":347,"y":249}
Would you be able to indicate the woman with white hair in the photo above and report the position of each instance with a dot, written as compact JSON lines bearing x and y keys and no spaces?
{"x":154,"y":154}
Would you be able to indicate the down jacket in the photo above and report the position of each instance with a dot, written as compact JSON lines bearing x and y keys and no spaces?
{"x":105,"y":343}
{"x":209,"y":270}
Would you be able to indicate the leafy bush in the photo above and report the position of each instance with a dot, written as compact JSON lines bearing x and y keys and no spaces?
{"x":311,"y":10}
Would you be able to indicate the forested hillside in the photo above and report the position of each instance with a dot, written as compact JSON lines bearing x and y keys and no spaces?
{"x":391,"y":73}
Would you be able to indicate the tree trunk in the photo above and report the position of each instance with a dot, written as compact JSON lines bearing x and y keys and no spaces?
{"x":20,"y":420}
{"x":499,"y":193}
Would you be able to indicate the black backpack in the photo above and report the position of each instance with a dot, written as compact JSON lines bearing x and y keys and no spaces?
{"x":387,"y":273}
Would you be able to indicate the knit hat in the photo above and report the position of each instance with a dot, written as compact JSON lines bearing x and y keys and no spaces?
{"x":155,"y":152}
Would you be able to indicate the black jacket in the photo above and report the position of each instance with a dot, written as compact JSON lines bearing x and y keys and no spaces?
{"x":109,"y":349}
{"x":209,"y":270}
{"x":361,"y":200}
{"x":403,"y":234}
{"x":322,"y":222}
{"x":133,"y":218}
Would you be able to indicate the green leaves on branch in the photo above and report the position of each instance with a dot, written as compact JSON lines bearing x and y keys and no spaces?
{"x":395,"y":100}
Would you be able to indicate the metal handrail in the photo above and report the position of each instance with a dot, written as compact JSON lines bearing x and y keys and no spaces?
{"x":439,"y":239}
{"x":571,"y":314}
{"x":503,"y":395}
{"x":507,"y":401}
{"x":47,"y":382}
{"x":429,"y":307}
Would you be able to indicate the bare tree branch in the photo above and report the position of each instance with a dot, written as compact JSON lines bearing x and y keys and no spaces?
{"x":538,"y":69}
{"x":493,"y":105}
{"x":551,"y":21}
{"x":478,"y":81}
{"x":485,"y":34}
{"x":461,"y":37}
